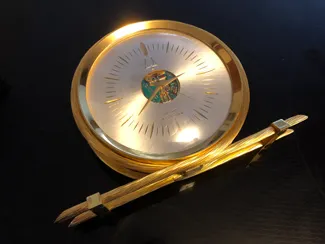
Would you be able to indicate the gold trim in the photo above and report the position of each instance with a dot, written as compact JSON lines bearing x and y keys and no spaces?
{"x":132,"y":163}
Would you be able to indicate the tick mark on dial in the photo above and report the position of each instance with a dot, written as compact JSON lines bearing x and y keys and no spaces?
{"x":152,"y":128}
{"x":176,"y":49}
{"x":197,"y":61}
{"x":193,"y":57}
{"x":206,"y":106}
{"x":136,"y":125}
{"x":189,"y":55}
{"x":120,"y":63}
{"x":202,"y":115}
{"x":127,"y":57}
{"x":172,"y":48}
{"x":131,"y":54}
{"x":192,"y":120}
{"x":110,"y":91}
{"x":203,"y":67}
{"x":211,"y":93}
{"x":110,"y":96}
{"x":113,"y":74}
{"x":110,"y":82}
{"x":201,"y":73}
{"x":162,"y":130}
{"x":123,"y":117}
{"x":157,"y":131}
{"x":116,"y":70}
{"x":143,"y":49}
{"x":140,"y":128}
{"x":167,"y":47}
{"x":181,"y":51}
{"x":210,"y":97}
{"x":110,"y":78}
{"x":204,"y":110}
{"x":127,"y":120}
{"x":185,"y":53}
{"x":200,"y":64}
{"x":146,"y":130}
{"x":117,"y":66}
{"x":135,"y":52}
{"x":131,"y":123}
{"x":168,"y":130}
{"x":196,"y":117}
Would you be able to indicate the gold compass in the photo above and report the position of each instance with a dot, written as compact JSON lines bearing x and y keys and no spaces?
{"x":153,"y":93}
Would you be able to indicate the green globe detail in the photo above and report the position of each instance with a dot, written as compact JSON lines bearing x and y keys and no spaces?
{"x":167,"y":93}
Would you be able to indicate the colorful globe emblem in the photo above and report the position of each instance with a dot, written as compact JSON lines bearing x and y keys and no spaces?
{"x":166,"y":93}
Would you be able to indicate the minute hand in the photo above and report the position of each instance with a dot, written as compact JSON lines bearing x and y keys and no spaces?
{"x":167,"y":82}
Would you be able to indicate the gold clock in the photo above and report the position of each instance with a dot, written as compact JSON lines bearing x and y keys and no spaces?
{"x":154,"y":93}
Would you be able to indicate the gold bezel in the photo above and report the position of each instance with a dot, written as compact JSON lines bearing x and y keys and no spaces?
{"x":114,"y":155}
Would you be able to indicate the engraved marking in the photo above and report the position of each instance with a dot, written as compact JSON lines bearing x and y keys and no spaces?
{"x":131,"y":54}
{"x":204,"y":110}
{"x":211,"y":93}
{"x":113,"y":74}
{"x":116,"y":70}
{"x":200,"y":64}
{"x":206,"y":106}
{"x":203,"y":67}
{"x":123,"y":60}
{"x":146,"y":130}
{"x":208,"y":101}
{"x":176,"y":49}
{"x":197,"y":60}
{"x":181,"y":50}
{"x":131,"y":123}
{"x":110,"y":96}
{"x":110,"y":82}
{"x":110,"y":91}
{"x":185,"y":53}
{"x":196,"y":116}
{"x":152,"y":127}
{"x":201,"y":73}
{"x":168,"y":130}
{"x":140,"y":128}
{"x":172,"y":48}
{"x":123,"y":117}
{"x":200,"y":114}
{"x":167,"y":47}
{"x":127,"y":57}
{"x":136,"y":125}
{"x":127,"y":120}
{"x":162,"y":130}
{"x":192,"y":120}
{"x":157,"y":131}
{"x":193,"y":57}
{"x":210,"y":97}
{"x":110,"y":78}
{"x":153,"y":46}
{"x":189,"y":55}
{"x":117,"y":66}
{"x":120,"y":63}
{"x":135,"y":52}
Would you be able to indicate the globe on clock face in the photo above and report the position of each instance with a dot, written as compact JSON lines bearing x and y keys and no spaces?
{"x":160,"y":94}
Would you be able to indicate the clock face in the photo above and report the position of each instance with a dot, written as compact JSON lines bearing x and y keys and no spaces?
{"x":159,"y":93}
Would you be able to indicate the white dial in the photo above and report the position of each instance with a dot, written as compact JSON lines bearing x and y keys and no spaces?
{"x":159,"y":93}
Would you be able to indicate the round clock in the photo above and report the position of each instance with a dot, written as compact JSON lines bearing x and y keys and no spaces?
{"x":153,"y":93}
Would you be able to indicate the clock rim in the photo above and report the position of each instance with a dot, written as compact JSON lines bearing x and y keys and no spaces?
{"x":103,"y":143}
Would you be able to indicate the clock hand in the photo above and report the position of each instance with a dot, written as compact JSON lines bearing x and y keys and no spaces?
{"x":163,"y":83}
{"x":159,"y":85}
{"x":150,"y":98}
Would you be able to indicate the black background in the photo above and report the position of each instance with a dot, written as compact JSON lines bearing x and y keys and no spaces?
{"x":46,"y":165}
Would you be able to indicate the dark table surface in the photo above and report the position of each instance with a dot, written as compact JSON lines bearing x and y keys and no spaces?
{"x":46,"y":165}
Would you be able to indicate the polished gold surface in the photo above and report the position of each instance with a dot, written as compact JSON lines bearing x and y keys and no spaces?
{"x":182,"y":170}
{"x":137,"y":165}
